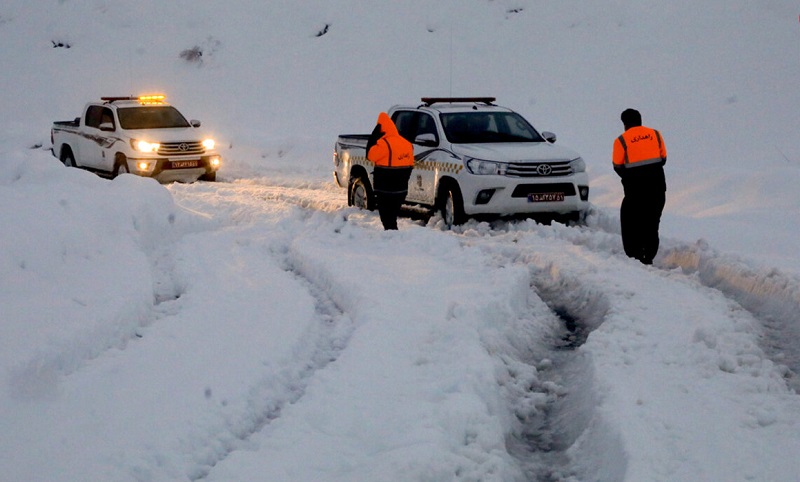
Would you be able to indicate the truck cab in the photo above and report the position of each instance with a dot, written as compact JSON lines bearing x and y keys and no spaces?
{"x":141,"y":135}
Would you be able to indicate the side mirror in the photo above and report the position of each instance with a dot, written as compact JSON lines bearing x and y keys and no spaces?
{"x":427,"y":140}
{"x":549,"y":137}
{"x":194,"y":123}
{"x":107,"y":127}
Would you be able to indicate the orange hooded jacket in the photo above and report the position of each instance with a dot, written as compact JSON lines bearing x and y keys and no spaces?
{"x":391,"y":150}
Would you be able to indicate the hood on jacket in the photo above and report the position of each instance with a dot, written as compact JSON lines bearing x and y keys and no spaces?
{"x":387,"y":126}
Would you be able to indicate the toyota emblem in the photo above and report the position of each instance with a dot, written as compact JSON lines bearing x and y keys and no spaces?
{"x":185,"y":147}
{"x":544,"y":169}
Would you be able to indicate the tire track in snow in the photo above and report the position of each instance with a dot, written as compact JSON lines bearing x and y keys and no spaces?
{"x":285,"y":384}
{"x":551,"y":428}
{"x":559,"y":407}
{"x":311,"y":196}
{"x":559,"y":404}
{"x":228,"y":428}
{"x":39,"y":375}
{"x":770,"y":296}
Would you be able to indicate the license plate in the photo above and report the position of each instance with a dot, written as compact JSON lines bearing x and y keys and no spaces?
{"x":184,"y":164}
{"x":543,"y":197}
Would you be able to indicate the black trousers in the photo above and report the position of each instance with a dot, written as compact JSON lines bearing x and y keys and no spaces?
{"x":391,"y":188}
{"x":389,"y":204}
{"x":640,"y":216}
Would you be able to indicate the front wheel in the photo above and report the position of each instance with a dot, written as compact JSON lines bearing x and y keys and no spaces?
{"x":210,"y":177}
{"x":575,"y":218}
{"x":451,"y":205}
{"x":121,"y":166}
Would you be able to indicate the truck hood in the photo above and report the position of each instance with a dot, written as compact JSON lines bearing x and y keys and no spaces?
{"x":178,"y":134}
{"x":516,"y":152}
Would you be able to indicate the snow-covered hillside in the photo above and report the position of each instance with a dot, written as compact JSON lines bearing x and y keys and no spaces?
{"x":259,"y":329}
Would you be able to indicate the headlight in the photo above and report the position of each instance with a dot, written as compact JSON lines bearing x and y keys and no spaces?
{"x":481,"y":167}
{"x":209,"y":144}
{"x":144,"y":146}
{"x":215,"y":162}
{"x":578,"y":165}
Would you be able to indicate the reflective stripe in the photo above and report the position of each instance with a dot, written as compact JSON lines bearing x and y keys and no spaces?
{"x":446,"y":167}
{"x":643,"y":162}
{"x":625,"y":160}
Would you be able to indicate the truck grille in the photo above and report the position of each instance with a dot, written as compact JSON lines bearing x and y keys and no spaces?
{"x":539,"y":169}
{"x":180,"y":148}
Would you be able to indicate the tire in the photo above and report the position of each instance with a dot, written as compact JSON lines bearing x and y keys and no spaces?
{"x":121,"y":166}
{"x":68,"y":158}
{"x":360,"y":194}
{"x":575,"y":218}
{"x":451,"y":205}
{"x":210,"y":177}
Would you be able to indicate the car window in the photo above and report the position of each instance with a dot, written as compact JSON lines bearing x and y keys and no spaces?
{"x":406,"y":123}
{"x":488,"y":127}
{"x":411,"y":124}
{"x":94,"y":115}
{"x":426,"y":125}
{"x":107,"y":118}
{"x":153,"y":117}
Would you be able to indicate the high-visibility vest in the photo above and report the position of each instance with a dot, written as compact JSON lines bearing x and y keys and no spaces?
{"x":391,"y":150}
{"x":639,"y":146}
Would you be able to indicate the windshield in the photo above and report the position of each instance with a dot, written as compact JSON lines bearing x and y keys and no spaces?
{"x":151,"y":117}
{"x":485,"y":127}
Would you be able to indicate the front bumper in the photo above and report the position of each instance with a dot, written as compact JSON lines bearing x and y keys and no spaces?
{"x":173,"y":169}
{"x":507,"y":196}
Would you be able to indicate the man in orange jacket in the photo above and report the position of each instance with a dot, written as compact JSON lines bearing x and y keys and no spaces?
{"x":394,"y":159}
{"x":639,"y":158}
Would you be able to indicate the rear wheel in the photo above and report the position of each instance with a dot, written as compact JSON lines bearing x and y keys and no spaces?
{"x":361,"y":195}
{"x":68,"y":158}
{"x":451,"y":205}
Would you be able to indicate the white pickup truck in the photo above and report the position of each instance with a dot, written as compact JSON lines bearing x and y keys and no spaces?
{"x":141,"y":135}
{"x":473,"y":158}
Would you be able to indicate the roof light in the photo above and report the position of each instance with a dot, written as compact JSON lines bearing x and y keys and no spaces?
{"x":152,"y":99}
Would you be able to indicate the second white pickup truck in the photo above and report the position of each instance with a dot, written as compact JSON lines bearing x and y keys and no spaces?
{"x":140,"y":135}
{"x":473,"y":158}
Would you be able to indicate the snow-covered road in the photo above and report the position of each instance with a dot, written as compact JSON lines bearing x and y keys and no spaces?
{"x":263,"y":330}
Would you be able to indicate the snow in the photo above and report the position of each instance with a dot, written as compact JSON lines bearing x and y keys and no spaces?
{"x":257,"y":328}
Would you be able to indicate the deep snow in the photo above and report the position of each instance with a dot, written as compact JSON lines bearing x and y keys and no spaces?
{"x":259,"y":329}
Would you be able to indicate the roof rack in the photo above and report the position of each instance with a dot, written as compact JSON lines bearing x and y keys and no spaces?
{"x":428,"y":101}
{"x":113,"y":99}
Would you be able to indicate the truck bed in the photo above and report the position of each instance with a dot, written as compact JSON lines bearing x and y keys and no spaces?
{"x":73,"y":123}
{"x":353,"y":140}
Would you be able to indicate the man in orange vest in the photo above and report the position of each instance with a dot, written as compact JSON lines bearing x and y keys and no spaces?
{"x":394,"y":159}
{"x":639,"y":158}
